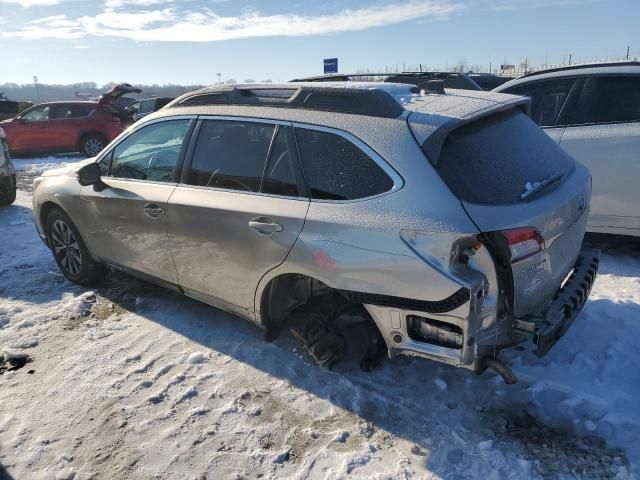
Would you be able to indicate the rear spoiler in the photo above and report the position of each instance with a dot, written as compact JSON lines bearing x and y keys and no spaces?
{"x":431,"y":135}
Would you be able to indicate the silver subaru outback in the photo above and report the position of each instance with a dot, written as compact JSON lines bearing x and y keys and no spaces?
{"x":448,"y":219}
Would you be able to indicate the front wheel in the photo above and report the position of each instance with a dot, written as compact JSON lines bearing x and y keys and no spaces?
{"x":8,"y":192}
{"x":92,"y":145}
{"x":69,"y":250}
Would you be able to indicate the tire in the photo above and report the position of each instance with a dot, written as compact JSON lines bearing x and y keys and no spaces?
{"x":69,"y":250}
{"x":8,"y":192}
{"x":92,"y":144}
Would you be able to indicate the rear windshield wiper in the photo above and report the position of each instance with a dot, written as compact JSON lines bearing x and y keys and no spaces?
{"x":531,"y":189}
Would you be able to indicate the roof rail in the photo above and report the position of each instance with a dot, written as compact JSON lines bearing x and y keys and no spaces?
{"x":451,"y":79}
{"x":358,"y":101}
{"x":585,"y":65}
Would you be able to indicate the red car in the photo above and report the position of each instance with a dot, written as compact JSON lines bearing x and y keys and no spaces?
{"x":60,"y":127}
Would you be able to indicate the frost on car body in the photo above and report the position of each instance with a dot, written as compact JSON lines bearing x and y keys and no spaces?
{"x":259,"y":199}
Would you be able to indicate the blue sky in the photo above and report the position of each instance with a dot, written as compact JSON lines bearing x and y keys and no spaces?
{"x":190,"y":41}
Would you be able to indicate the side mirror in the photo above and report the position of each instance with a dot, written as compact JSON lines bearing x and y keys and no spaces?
{"x":90,"y":175}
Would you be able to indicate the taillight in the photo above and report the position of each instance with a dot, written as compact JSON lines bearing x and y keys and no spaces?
{"x":523,"y":242}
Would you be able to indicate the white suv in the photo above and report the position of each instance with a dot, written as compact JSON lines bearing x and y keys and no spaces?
{"x":593,"y":112}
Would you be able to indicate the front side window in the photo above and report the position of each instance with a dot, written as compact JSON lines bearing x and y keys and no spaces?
{"x":608,"y":99}
{"x":39,"y":114}
{"x":150,"y":153}
{"x":547,"y":99}
{"x":336,"y":169}
{"x":231,"y":155}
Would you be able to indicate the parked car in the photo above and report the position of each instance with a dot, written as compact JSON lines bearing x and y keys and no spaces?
{"x":460,"y":81}
{"x":58,"y":127}
{"x":489,"y":81}
{"x":9,"y":108}
{"x":148,"y":105}
{"x":593,"y":112}
{"x":7,"y":174}
{"x":452,"y":220}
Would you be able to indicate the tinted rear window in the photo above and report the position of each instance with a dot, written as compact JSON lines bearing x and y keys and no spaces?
{"x":490,"y":161}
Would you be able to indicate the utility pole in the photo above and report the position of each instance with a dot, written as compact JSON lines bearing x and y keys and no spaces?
{"x":35,"y":83}
{"x":219,"y":77}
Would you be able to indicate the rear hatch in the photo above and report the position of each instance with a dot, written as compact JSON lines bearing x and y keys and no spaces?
{"x":528,"y":197}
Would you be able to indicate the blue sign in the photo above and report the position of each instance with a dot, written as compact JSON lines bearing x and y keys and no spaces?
{"x":330,"y":65}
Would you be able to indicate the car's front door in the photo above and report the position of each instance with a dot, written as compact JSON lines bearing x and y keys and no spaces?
{"x":603,"y":132}
{"x":238,"y":210}
{"x":31,"y":132}
{"x":125,"y":223}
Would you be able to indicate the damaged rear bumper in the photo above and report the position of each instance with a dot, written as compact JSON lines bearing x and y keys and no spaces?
{"x":565,"y":306}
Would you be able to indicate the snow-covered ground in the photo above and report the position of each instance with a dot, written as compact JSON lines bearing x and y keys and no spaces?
{"x":131,"y":382}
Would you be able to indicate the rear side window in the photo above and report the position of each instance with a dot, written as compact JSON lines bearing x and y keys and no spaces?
{"x":61,"y":112}
{"x":547,"y":99}
{"x":490,"y":161}
{"x":336,"y":169}
{"x":608,"y":99}
{"x":231,"y":155}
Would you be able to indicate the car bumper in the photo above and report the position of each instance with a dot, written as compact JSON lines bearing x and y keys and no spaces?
{"x":566,"y":305}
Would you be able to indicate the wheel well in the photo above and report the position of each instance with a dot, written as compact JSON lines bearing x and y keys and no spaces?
{"x":44,"y":213}
{"x":287,"y":292}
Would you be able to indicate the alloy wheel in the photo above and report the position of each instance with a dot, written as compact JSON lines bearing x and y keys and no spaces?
{"x":66,"y":247}
{"x":93,"y":146}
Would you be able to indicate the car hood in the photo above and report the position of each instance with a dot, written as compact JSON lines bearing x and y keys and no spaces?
{"x":67,"y":169}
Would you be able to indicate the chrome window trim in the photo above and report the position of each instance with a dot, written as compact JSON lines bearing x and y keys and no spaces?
{"x":398,"y":181}
{"x":241,"y":192}
{"x":130,"y":131}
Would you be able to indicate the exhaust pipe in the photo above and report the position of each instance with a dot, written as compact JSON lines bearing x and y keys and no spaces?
{"x":505,"y":372}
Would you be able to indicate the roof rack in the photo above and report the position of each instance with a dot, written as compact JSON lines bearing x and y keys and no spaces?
{"x":358,"y":101}
{"x":584,"y":65}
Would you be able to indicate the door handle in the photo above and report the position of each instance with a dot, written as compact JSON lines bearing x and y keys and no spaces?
{"x":152,"y":210}
{"x":265,"y":226}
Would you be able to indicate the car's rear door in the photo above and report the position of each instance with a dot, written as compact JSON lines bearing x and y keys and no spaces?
{"x":125,"y":223}
{"x":238,"y":210}
{"x":603,"y":132}
{"x":69,"y":121}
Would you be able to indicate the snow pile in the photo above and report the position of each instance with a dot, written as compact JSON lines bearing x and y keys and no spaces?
{"x":166,"y":387}
{"x":36,"y":166}
{"x":591,"y":381}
